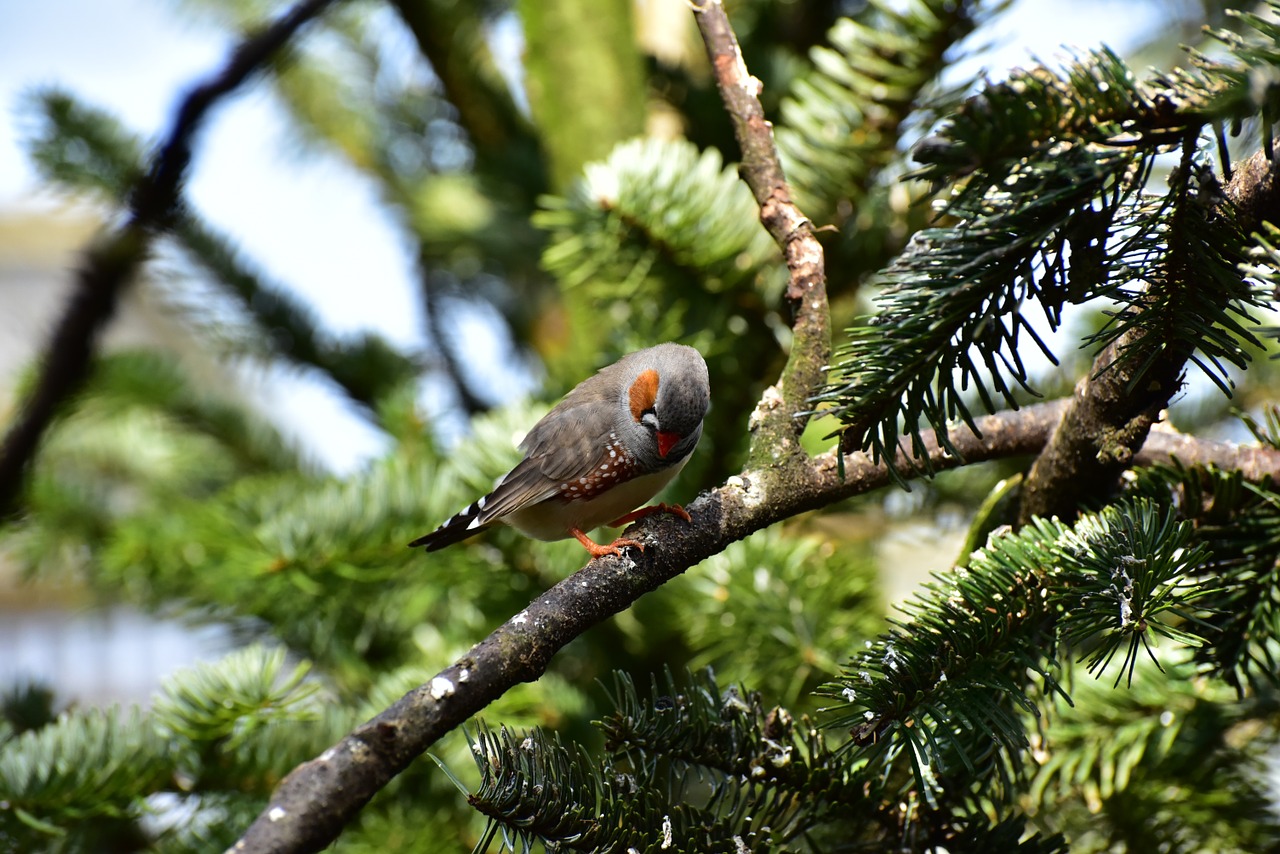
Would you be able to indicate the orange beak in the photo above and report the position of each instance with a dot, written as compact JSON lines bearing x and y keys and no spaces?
{"x":666,"y":441}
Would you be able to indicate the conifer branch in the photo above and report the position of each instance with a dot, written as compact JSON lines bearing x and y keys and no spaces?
{"x":715,"y":765}
{"x":81,"y":147}
{"x":777,"y":426}
{"x":1115,"y":406}
{"x":111,"y":262}
{"x":1255,"y":464}
{"x":317,"y":799}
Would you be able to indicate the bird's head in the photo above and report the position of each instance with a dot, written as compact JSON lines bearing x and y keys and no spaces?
{"x":666,"y":396}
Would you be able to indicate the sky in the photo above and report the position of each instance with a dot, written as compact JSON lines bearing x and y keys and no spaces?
{"x":313,"y":222}
{"x":137,"y":58}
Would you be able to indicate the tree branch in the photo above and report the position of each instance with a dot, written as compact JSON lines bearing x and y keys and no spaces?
{"x":1116,"y":404}
{"x":313,"y":803}
{"x":111,"y":262}
{"x":1255,"y":464}
{"x":434,"y":283}
{"x":776,"y":426}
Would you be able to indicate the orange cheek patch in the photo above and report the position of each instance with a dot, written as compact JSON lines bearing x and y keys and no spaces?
{"x":644,"y":391}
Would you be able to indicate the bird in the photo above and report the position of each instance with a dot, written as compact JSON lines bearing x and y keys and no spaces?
{"x":608,"y":447}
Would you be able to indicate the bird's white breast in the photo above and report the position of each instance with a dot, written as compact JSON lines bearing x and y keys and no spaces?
{"x":552,"y":519}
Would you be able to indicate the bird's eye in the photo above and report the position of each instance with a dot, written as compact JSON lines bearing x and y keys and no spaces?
{"x":649,"y":419}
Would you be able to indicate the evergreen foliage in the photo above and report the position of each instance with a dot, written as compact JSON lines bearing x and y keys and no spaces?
{"x":1050,"y":173}
{"x":713,"y":770}
{"x":1102,"y":684}
{"x":874,"y":83}
{"x":76,"y":780}
{"x":1166,"y":762}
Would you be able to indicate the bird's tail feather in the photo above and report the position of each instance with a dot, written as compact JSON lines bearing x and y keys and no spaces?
{"x":457,"y":528}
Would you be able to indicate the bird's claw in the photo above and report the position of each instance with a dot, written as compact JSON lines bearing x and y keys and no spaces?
{"x":614,"y":548}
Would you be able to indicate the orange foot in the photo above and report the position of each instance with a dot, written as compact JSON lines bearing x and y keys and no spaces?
{"x":673,"y":509}
{"x":597,"y":550}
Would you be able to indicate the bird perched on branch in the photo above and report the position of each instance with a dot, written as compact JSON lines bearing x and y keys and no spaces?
{"x":612,"y":444}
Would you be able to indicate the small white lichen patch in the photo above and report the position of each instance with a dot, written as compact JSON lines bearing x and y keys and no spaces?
{"x":521,"y":618}
{"x":440,"y":687}
{"x":327,"y":755}
{"x":275,"y":814}
{"x":752,"y":495}
{"x":770,"y":400}
{"x":464,"y":674}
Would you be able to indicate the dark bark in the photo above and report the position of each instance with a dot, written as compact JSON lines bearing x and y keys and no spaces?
{"x":1114,"y":407}
{"x":778,"y":421}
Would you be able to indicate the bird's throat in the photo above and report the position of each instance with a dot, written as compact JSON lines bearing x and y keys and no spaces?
{"x":666,"y":441}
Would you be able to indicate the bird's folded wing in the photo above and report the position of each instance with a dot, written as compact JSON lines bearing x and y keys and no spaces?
{"x":570,"y":441}
{"x":524,"y":485}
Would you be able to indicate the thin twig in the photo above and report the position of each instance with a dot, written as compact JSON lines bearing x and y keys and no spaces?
{"x":433,"y":308}
{"x":112,"y":261}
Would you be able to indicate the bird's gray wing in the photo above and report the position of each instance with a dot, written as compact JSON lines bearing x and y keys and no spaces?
{"x":567,"y":443}
{"x":572,"y":439}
